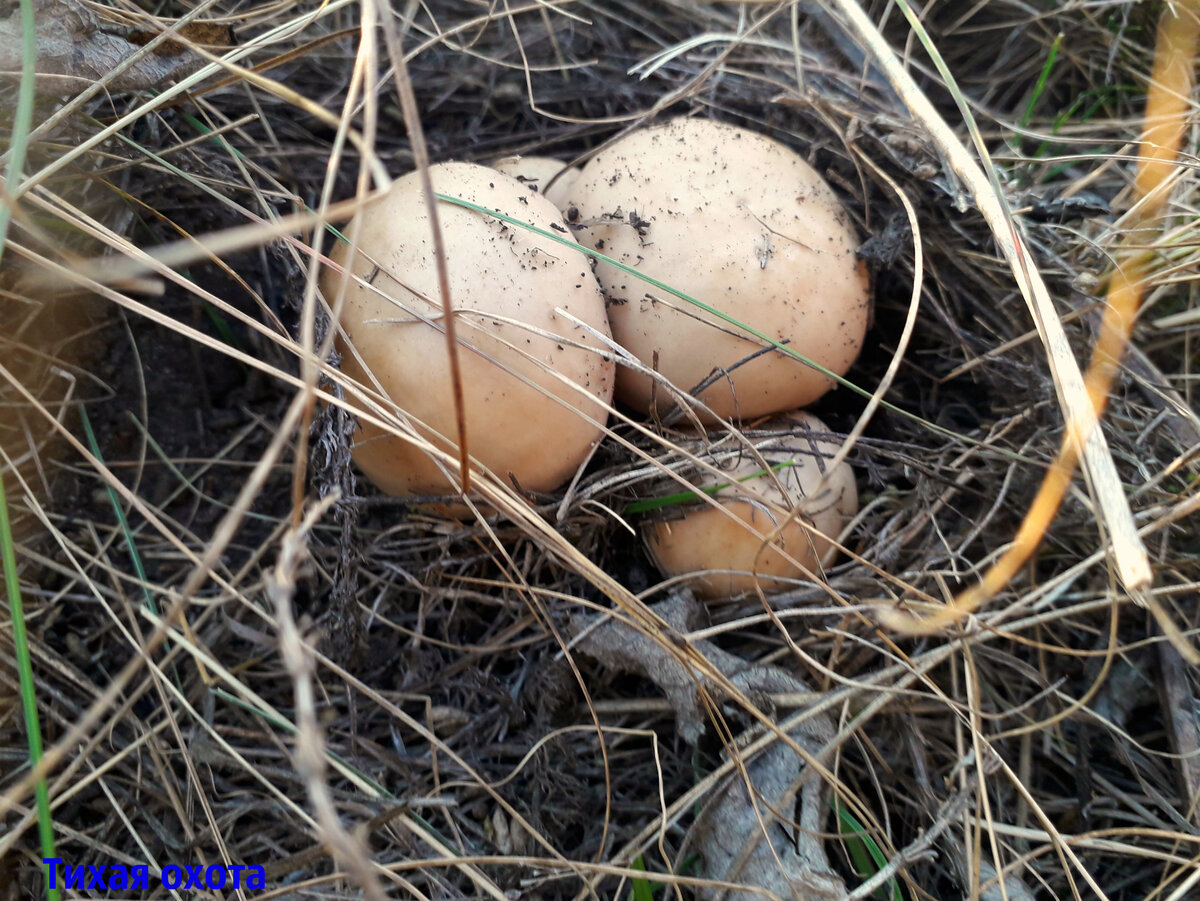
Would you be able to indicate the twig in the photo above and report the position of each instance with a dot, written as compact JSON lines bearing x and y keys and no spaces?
{"x":310,"y":746}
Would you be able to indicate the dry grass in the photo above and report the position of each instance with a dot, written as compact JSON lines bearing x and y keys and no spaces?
{"x":376,"y":700}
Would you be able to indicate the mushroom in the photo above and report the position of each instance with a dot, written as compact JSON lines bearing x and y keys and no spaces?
{"x":542,"y":173}
{"x":527,"y":310}
{"x":708,"y":541}
{"x":739,"y":222}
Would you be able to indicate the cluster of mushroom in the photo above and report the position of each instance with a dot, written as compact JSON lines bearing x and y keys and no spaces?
{"x":720,"y":214}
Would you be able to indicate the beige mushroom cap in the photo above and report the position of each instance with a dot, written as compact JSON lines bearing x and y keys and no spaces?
{"x":539,"y":173}
{"x":742,"y":223}
{"x":703,"y":539}
{"x":531,"y":378}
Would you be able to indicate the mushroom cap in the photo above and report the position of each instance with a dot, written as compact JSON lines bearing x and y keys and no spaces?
{"x":539,"y":173}
{"x":701,"y":538}
{"x":534,"y":386}
{"x":739,"y":222}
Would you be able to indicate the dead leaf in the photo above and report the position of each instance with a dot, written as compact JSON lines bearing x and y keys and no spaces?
{"x":747,"y":832}
{"x":74,"y":52}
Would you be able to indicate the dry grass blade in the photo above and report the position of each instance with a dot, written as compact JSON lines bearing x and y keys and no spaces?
{"x":412,"y":121}
{"x":1129,"y":553}
{"x":310,"y":749}
{"x":1175,"y":56}
{"x":365,"y":74}
{"x":203,"y":570}
{"x":910,"y":322}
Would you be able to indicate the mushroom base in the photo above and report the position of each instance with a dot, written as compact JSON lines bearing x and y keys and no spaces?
{"x":708,"y":540}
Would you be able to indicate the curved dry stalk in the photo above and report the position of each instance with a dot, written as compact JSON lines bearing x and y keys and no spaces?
{"x":363,"y":79}
{"x":416,"y":134}
{"x":1128,"y":552}
{"x":309,"y":756}
{"x":1165,"y":120}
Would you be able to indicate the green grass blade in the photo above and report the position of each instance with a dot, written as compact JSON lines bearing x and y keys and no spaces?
{"x":683,"y":497}
{"x":22,"y":118}
{"x":960,"y":100}
{"x":219,"y":322}
{"x":130,"y":545}
{"x":643,"y":889}
{"x":868,"y":858}
{"x":1043,"y":77}
{"x":662,"y":286}
{"x":8,"y":555}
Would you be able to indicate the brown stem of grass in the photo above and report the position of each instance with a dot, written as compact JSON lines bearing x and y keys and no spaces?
{"x":1167,"y":103}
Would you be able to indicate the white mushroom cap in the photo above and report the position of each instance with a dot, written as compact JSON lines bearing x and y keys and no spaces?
{"x":742,"y":223}
{"x":542,"y":173}
{"x":700,"y":538}
{"x":531,"y":378}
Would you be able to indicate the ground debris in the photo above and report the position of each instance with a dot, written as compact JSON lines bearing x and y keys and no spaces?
{"x":76,"y":48}
{"x":747,"y":832}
